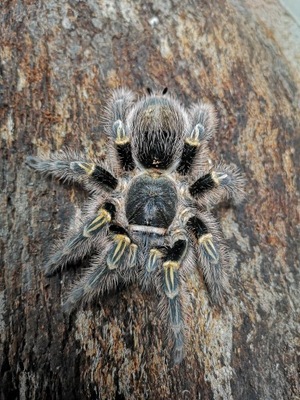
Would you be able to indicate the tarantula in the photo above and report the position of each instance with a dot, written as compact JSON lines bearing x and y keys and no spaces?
{"x":147,"y":220}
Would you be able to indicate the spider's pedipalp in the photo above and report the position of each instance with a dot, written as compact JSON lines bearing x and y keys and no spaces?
{"x":202,"y":127}
{"x":80,"y":243}
{"x":132,"y":256}
{"x":153,"y":260}
{"x":69,"y":167}
{"x":221,"y":182}
{"x":120,"y":249}
{"x":211,"y":254}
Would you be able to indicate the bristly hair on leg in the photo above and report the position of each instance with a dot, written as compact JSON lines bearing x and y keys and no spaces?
{"x":221,"y":182}
{"x":212,"y":256}
{"x":68,"y":166}
{"x":98,"y":280}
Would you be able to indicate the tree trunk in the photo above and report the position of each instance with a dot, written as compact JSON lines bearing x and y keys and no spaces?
{"x":59,"y":60}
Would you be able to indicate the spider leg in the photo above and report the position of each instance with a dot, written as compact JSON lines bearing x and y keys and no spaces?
{"x":202,"y":128}
{"x":222,"y":181}
{"x":123,"y":146}
{"x":79,"y":244}
{"x":118,"y":108}
{"x":97,"y":280}
{"x":123,"y":251}
{"x":116,"y":262}
{"x":171,"y":288}
{"x":211,"y":255}
{"x":68,"y":167}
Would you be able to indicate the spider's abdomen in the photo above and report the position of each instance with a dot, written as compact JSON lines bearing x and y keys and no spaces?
{"x":151,"y":200}
{"x":156,"y":127}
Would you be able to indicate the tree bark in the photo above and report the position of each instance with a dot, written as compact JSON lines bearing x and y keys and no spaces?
{"x":59,"y":59}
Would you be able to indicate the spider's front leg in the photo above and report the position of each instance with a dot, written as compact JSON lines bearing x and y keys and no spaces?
{"x":115,"y":263}
{"x":69,"y":167}
{"x":211,"y":255}
{"x":172,"y":263}
{"x":79,"y":244}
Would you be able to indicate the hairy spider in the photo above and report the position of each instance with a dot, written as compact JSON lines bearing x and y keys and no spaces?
{"x":147,"y":220}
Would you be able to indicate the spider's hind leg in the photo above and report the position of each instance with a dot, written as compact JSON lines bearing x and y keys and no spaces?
{"x":117,"y":110}
{"x":203,"y":124}
{"x":123,"y":250}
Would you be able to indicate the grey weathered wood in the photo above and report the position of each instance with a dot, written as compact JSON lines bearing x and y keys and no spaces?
{"x":58,"y":62}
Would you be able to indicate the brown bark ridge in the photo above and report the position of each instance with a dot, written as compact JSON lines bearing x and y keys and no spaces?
{"x":59,"y":59}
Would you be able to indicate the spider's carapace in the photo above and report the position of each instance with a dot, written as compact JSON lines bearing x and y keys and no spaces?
{"x":151,"y":200}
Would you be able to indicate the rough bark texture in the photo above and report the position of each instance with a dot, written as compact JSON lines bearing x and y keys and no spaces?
{"x":59,"y":59}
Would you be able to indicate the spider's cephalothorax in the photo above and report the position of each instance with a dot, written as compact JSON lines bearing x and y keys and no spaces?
{"x":148,"y":220}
